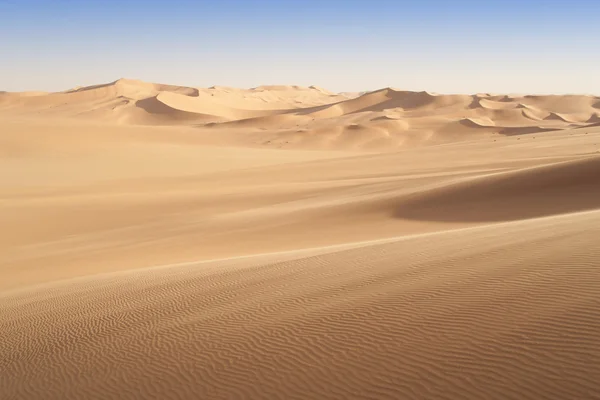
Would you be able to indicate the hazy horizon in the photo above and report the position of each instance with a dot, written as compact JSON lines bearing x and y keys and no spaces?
{"x":465,"y":47}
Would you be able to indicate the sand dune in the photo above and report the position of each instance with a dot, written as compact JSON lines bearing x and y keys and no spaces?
{"x":301,"y":113}
{"x":498,"y":105}
{"x":557,"y":117}
{"x":125,"y":100}
{"x":477,"y":123}
{"x":168,"y":242}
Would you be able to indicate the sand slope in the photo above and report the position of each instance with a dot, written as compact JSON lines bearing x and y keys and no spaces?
{"x":532,"y":192}
{"x":494,"y":312}
{"x":424,"y":247}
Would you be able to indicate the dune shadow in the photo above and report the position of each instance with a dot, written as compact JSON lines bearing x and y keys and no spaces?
{"x":529,"y":193}
{"x":526,"y":130}
{"x":152,"y":106}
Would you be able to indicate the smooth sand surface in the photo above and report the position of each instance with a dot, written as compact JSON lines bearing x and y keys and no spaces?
{"x":285,"y":242}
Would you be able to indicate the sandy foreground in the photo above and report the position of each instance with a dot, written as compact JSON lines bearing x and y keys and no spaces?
{"x":165,"y":242}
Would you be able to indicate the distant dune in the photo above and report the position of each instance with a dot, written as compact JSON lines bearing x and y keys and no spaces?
{"x":310,"y":111}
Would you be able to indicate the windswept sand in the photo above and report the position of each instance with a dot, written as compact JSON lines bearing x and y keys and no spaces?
{"x":286,"y":242}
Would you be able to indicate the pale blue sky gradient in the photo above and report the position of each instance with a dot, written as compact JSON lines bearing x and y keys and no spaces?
{"x":462,"y":46}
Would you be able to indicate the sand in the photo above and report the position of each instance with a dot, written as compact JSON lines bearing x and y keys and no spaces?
{"x":287,"y":242}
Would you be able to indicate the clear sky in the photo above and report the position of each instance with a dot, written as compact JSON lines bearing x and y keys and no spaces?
{"x":462,"y":46}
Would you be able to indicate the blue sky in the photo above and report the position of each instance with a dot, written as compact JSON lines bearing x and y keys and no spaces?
{"x":461,"y":46}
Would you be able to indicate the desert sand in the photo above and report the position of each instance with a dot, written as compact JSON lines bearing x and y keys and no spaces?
{"x":287,"y":242}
